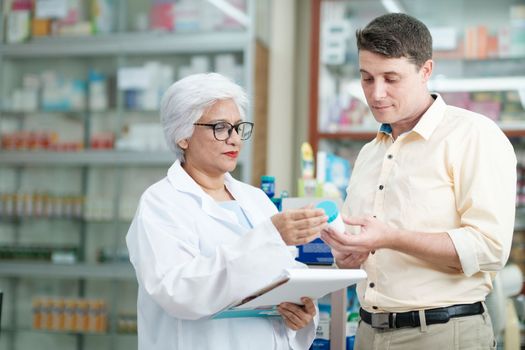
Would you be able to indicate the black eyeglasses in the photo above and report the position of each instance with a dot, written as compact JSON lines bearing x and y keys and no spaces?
{"x":223,"y":130}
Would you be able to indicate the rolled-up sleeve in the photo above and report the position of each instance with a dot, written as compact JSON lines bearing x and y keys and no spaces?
{"x":484,"y":175}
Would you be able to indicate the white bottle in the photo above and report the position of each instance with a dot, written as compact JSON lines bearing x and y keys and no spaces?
{"x":335,"y":221}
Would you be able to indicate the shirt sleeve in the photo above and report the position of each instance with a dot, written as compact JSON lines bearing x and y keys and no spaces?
{"x":484,"y":175}
{"x":189,"y":285}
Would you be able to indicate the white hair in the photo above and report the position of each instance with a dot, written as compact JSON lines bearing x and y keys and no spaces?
{"x":186,"y":100}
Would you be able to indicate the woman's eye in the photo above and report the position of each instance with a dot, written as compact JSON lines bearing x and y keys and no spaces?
{"x":220,"y":126}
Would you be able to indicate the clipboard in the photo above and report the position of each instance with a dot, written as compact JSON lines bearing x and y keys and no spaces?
{"x":291,"y":286}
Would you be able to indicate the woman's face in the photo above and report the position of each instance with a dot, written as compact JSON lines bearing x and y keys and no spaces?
{"x":203,"y":151}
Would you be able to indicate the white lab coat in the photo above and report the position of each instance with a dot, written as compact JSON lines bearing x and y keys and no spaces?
{"x":193,"y":258}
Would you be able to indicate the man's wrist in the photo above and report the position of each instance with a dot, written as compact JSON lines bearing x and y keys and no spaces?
{"x":394,"y":237}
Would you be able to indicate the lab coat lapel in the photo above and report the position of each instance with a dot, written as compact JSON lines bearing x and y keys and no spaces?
{"x":182,"y":182}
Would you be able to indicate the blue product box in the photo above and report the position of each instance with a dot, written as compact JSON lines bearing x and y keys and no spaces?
{"x":320,"y":344}
{"x":316,"y":252}
{"x":350,"y":342}
{"x":322,"y":333}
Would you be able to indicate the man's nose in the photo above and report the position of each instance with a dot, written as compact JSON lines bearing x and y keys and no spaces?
{"x":378,"y":90}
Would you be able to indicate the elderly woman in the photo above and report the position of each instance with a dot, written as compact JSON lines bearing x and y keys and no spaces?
{"x":201,"y":240}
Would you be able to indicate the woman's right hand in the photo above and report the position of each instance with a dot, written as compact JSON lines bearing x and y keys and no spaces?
{"x":300,"y":226}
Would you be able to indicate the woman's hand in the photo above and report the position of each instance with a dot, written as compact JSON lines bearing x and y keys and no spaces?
{"x":300,"y":226}
{"x":297,"y":316}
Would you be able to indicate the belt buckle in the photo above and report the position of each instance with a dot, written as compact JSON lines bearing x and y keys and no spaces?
{"x":380,"y":320}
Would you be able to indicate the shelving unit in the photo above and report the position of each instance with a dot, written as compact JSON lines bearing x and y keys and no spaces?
{"x":129,"y":44}
{"x":112,"y":271}
{"x":116,"y":176}
{"x":86,"y":158}
{"x":335,"y":80}
{"x":454,"y":73}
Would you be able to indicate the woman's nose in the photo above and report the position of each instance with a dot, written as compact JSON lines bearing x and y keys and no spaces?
{"x":234,"y":137}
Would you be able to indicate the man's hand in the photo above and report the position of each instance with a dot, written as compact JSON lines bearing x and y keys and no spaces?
{"x":374,"y":235}
{"x":300,"y":226}
{"x":297,"y":316}
{"x":349,"y":260}
{"x":345,"y":260}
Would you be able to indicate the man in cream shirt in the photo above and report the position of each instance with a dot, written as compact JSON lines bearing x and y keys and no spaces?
{"x":431,"y":200}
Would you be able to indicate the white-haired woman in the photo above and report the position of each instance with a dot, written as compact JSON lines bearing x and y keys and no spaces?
{"x":201,"y":240}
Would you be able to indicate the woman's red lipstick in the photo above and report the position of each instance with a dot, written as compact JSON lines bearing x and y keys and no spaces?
{"x":232,"y":154}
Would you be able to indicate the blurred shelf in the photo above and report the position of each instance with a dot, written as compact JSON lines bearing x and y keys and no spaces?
{"x":129,"y":44}
{"x":120,"y":271}
{"x":4,"y":219}
{"x":10,"y":220}
{"x":77,"y":113}
{"x":65,"y":333}
{"x":353,"y":87}
{"x":363,"y":134}
{"x":358,"y":135}
{"x":101,"y":158}
{"x":519,"y":223}
{"x":478,"y":84}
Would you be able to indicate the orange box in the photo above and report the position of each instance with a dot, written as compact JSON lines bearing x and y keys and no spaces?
{"x":37,"y":313}
{"x":70,"y":315}
{"x":40,"y":27}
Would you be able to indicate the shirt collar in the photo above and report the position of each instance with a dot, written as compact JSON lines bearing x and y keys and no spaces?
{"x":183,"y":182}
{"x":428,"y":122}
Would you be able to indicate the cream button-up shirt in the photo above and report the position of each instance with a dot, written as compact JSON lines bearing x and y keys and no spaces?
{"x":454,"y":172}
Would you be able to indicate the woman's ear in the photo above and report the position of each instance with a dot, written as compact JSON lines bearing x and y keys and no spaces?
{"x":183,"y":144}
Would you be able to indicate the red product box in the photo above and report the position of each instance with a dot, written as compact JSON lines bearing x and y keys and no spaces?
{"x":162,"y":16}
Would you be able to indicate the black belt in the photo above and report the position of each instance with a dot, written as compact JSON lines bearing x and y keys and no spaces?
{"x":411,"y":318}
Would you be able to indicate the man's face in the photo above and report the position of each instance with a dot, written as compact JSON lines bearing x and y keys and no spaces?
{"x":394,"y":88}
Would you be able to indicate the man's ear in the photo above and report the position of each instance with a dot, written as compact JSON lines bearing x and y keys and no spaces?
{"x":183,"y":144}
{"x":426,"y":69}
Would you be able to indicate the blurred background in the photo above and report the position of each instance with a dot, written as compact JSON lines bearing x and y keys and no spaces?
{"x":80,"y":85}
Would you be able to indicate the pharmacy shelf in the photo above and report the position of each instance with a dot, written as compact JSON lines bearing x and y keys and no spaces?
{"x":511,"y":130}
{"x":519,"y":223}
{"x":120,"y":271}
{"x":66,"y":333}
{"x":93,"y":158}
{"x":129,"y":44}
{"x":353,"y":87}
{"x":478,"y":84}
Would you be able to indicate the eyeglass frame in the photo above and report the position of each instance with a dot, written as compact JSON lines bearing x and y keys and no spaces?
{"x":230,"y":130}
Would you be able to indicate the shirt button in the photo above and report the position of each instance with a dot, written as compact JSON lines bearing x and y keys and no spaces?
{"x":374,"y":307}
{"x":390,"y":156}
{"x":373,"y":252}
{"x":381,"y":187}
{"x":372,"y":285}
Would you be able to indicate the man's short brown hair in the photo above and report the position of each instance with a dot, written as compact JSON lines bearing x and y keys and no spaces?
{"x":396,"y":35}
